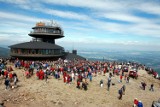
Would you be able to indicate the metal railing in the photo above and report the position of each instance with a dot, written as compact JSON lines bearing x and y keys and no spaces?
{"x":44,"y":32}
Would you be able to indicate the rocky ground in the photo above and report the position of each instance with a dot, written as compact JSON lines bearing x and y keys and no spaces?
{"x":33,"y":93}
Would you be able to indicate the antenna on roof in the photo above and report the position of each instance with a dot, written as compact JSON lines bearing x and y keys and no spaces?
{"x":52,"y":23}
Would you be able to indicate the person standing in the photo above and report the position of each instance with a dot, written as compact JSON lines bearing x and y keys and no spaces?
{"x":121,"y":78}
{"x":73,"y":77}
{"x":7,"y":83}
{"x":90,"y":75}
{"x":46,"y":75}
{"x":127,"y":81}
{"x":143,"y":85}
{"x":123,"y":89}
{"x":15,"y":81}
{"x":78,"y":84}
{"x":109,"y":83}
{"x":120,"y":94}
{"x":151,"y":89}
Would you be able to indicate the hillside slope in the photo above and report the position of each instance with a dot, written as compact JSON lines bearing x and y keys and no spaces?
{"x":33,"y":93}
{"x":4,"y":52}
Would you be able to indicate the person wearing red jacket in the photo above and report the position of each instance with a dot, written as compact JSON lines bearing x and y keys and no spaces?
{"x":64,"y":76}
{"x":68,"y":78}
{"x":104,"y":71}
{"x":10,"y":76}
{"x":27,"y":74}
{"x":135,"y":102}
{"x":41,"y":75}
{"x":78,"y":84}
{"x":6,"y":73}
{"x":121,"y":78}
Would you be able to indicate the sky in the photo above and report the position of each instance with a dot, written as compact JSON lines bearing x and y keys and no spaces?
{"x":87,"y":24}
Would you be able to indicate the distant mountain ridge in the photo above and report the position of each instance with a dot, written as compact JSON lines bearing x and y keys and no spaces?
{"x":4,"y":52}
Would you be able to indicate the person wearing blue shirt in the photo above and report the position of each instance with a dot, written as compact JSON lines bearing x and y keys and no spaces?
{"x":140,"y":104}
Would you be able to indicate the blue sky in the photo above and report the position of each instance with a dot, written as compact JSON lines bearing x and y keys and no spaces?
{"x":87,"y":24}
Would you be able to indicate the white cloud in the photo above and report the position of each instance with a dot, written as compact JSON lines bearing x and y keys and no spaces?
{"x":123,"y":17}
{"x":93,"y":4}
{"x":89,"y":22}
{"x":112,"y":6}
{"x":63,"y":14}
{"x":41,"y":8}
{"x":105,"y":9}
{"x":152,"y":8}
{"x":18,"y":17}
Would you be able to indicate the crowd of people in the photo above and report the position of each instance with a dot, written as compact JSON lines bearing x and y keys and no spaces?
{"x":79,"y":71}
{"x":10,"y":77}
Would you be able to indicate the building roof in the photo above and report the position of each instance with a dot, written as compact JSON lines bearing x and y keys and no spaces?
{"x":71,"y":56}
{"x":46,"y":35}
{"x":36,"y":45}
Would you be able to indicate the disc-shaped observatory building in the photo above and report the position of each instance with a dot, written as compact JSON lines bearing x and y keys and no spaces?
{"x":43,"y":44}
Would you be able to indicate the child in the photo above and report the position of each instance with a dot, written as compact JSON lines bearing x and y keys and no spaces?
{"x":101,"y":83}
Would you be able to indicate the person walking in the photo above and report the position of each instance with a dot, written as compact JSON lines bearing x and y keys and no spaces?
{"x":109,"y":83}
{"x":120,"y":94}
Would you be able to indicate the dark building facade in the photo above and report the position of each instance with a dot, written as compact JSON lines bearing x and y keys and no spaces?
{"x":43,"y":44}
